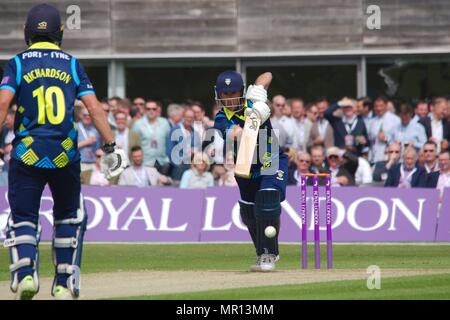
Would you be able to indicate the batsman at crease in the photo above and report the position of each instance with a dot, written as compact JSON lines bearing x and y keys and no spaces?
{"x":264,"y":188}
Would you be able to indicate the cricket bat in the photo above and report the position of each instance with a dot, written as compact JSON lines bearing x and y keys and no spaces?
{"x":247,"y":146}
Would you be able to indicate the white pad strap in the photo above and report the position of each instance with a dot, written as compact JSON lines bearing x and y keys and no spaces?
{"x":65,"y":243}
{"x":74,"y":280}
{"x":25,"y":262}
{"x":23,"y":224}
{"x":25,"y":239}
{"x":77,"y":220}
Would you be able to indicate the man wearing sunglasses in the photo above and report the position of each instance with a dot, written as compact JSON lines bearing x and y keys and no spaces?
{"x":430,"y":153}
{"x":153,"y":132}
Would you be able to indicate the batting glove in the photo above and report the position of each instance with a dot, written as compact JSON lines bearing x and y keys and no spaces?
{"x":261,"y":109}
{"x":256,"y":93}
{"x":114,"y":161}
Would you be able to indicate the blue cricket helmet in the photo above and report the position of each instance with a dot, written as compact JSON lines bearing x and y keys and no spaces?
{"x":43,"y":22}
{"x":230,"y":81}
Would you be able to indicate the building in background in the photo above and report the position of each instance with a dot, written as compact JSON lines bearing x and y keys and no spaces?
{"x":171,"y":51}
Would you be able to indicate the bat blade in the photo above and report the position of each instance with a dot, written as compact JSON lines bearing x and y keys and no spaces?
{"x":247,"y":146}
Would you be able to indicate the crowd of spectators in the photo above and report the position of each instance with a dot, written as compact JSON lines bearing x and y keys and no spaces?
{"x":361,"y":142}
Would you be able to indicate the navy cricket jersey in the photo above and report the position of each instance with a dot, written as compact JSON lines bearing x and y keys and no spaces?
{"x":46,"y":81}
{"x":226,"y":119}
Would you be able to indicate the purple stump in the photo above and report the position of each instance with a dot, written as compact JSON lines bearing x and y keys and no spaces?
{"x":316,"y":222}
{"x":328,"y":222}
{"x":304,"y":222}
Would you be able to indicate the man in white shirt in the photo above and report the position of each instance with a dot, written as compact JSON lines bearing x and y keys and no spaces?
{"x":175,"y":114}
{"x":321,"y":131}
{"x":200,"y":120}
{"x":441,"y":179}
{"x":153,"y":132}
{"x":140,"y":176}
{"x":381,"y":129}
{"x":444,"y":168}
{"x":281,"y":124}
{"x":301,"y":126}
{"x":409,"y":133}
{"x":125,"y":138}
{"x":364,"y":109}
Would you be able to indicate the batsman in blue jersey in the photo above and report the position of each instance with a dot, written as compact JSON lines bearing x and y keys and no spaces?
{"x":262,"y":192}
{"x":45,"y":81}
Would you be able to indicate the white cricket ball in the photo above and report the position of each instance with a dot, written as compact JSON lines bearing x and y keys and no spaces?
{"x":270,"y":232}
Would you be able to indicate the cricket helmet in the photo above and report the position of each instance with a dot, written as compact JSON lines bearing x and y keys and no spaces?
{"x":230,"y":81}
{"x":43,"y":23}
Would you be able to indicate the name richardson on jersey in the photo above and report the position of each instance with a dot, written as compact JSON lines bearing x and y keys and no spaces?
{"x":47,"y":73}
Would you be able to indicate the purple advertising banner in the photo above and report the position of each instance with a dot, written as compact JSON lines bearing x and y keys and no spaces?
{"x":443,"y":232}
{"x":131,"y":214}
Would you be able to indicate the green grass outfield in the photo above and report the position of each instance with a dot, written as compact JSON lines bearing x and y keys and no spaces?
{"x":416,"y":287}
{"x":99,"y":258}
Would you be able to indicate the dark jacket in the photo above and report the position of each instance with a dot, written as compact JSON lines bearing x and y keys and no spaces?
{"x":432,"y":179}
{"x":292,"y":166}
{"x":348,"y":167}
{"x":426,"y":122}
{"x":418,"y":179}
{"x":378,"y":170}
{"x":340,"y":130}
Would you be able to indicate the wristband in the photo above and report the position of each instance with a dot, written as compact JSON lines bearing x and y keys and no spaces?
{"x":109,"y":147}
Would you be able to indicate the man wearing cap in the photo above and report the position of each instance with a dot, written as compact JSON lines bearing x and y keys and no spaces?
{"x":349,"y":129}
{"x":263,"y":191}
{"x":342,"y":166}
{"x":45,"y":81}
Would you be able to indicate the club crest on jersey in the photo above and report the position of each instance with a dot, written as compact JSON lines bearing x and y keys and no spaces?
{"x":280,"y":174}
{"x":4,"y":80}
{"x":227,"y":81}
{"x":42,"y":25}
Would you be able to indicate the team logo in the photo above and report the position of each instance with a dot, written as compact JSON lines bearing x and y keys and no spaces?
{"x":4,"y":80}
{"x":280,"y":175}
{"x":42,"y":25}
{"x":227,"y":81}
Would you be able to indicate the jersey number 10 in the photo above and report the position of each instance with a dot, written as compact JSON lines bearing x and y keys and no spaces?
{"x":46,"y":107}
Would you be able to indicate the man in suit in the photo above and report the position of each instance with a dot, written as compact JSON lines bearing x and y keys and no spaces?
{"x":421,"y":110}
{"x":321,"y":130}
{"x":318,"y":163}
{"x":183,"y":141}
{"x":349,"y":129}
{"x":381,"y":168}
{"x":441,"y":179}
{"x":437,"y":127}
{"x":406,"y":174}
